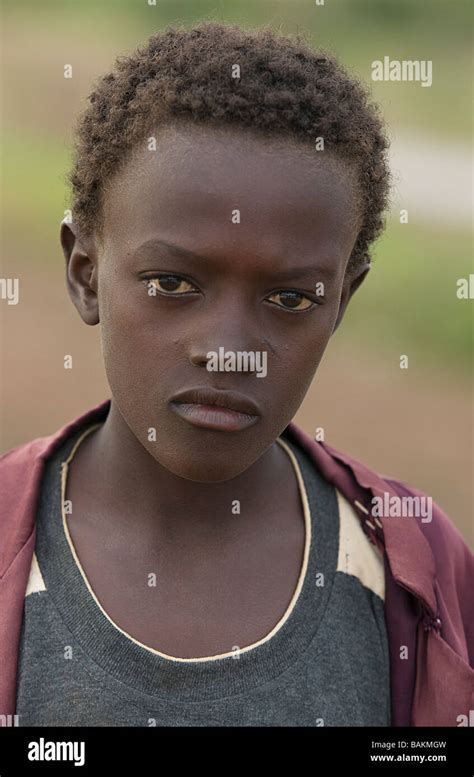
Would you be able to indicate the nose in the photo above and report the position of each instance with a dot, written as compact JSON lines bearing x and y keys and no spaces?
{"x":234,"y":330}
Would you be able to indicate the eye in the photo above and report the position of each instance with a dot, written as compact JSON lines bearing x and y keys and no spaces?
{"x":172,"y":285}
{"x":293,"y":300}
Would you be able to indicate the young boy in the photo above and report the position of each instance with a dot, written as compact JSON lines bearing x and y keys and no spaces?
{"x":183,"y":554}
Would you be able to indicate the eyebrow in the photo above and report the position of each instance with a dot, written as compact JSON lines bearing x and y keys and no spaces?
{"x":309,"y":271}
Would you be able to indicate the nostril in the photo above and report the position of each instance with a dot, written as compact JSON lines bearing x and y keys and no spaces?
{"x":199,"y":360}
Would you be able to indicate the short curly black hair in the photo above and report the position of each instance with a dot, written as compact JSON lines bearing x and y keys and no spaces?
{"x":286,"y":88}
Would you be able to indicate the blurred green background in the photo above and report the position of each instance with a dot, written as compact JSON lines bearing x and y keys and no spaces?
{"x":416,"y":424}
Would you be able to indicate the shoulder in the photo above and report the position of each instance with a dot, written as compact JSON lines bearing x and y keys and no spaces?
{"x":419,"y":533}
{"x":395,"y":498}
{"x":445,"y":540}
{"x":21,"y":471}
{"x":17,"y":468}
{"x":20,"y":476}
{"x":23,"y":456}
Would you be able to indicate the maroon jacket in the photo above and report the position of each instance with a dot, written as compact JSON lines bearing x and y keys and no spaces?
{"x":429,"y":579}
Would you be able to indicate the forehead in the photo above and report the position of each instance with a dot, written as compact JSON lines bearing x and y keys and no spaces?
{"x":230,"y":183}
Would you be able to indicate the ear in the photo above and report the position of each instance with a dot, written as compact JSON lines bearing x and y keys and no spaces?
{"x":81,"y":272}
{"x":350,"y":284}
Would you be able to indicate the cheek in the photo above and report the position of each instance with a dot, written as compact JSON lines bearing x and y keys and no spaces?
{"x":131,"y":343}
{"x":136,"y":356}
{"x":299,"y":361}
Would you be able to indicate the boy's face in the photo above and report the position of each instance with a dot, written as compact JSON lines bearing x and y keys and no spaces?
{"x":250,"y":227}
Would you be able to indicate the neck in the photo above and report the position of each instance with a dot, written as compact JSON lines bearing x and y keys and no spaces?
{"x":138,"y":491}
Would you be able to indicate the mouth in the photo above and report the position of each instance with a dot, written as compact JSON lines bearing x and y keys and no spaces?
{"x":226,"y":411}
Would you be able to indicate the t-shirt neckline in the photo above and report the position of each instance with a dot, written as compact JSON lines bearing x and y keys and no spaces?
{"x":151,"y":670}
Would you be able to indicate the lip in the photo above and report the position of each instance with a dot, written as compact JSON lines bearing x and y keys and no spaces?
{"x":212,"y":409}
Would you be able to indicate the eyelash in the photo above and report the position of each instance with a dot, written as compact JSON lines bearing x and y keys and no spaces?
{"x":148,"y":280}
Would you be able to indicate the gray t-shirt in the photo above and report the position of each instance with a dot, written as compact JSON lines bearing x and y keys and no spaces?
{"x":325,"y":665}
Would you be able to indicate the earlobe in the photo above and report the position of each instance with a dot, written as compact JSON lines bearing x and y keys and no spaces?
{"x":81,"y":274}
